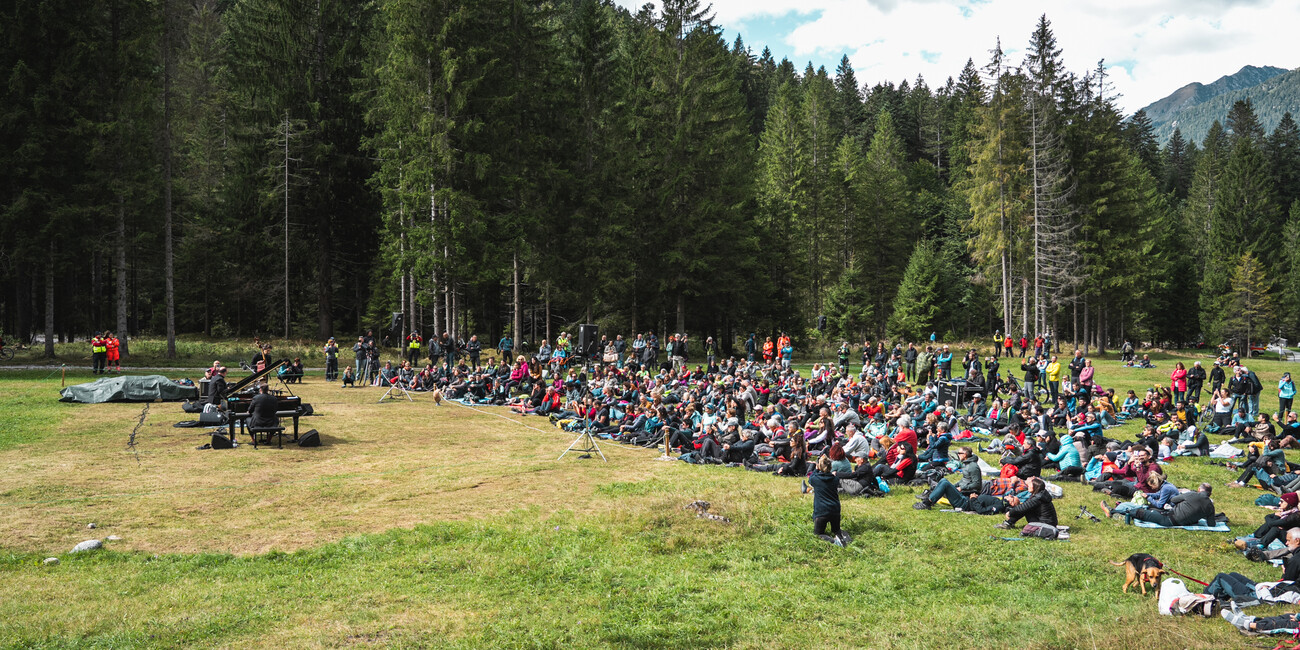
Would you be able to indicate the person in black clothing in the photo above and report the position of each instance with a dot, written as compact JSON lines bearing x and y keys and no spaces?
{"x":1028,"y":464}
{"x":1037,"y":508}
{"x":1217,"y":377}
{"x":1188,"y":509}
{"x":1076,"y":367}
{"x":826,"y":503}
{"x":474,"y":348}
{"x":992,"y":382}
{"x":217,"y":388}
{"x":261,"y":412}
{"x":909,"y":361}
{"x":1030,"y":369}
{"x":1195,"y":381}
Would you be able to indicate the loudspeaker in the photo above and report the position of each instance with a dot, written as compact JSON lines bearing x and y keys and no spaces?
{"x":821,"y":323}
{"x":309,"y":439}
{"x":211,"y":418}
{"x":587,"y":338}
{"x":396,"y":322}
{"x":950,"y":390}
{"x":221,"y":442}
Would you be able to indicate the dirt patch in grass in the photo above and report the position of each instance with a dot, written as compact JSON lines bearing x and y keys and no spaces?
{"x":381,"y":466}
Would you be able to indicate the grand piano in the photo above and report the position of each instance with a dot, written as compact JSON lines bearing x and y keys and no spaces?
{"x":239,"y":397}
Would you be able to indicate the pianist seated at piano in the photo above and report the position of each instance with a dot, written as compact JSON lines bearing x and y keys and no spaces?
{"x":261,"y":412}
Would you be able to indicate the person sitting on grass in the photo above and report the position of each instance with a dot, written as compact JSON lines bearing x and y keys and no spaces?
{"x":1266,"y":466}
{"x":902,"y":467}
{"x":1134,"y":473}
{"x":1195,"y":444}
{"x":1036,"y":508}
{"x":1070,"y":468}
{"x":970,"y":484}
{"x":797,"y":465}
{"x":826,"y":503}
{"x":1028,"y":463}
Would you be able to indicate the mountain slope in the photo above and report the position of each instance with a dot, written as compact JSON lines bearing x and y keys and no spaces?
{"x":1272,"y":97}
{"x":1164,"y":110}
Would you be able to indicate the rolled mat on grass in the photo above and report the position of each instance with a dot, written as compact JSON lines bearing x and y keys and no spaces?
{"x":1217,"y":528}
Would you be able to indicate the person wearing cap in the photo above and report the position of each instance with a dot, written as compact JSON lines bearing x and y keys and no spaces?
{"x":331,"y":351}
{"x":1195,"y":381}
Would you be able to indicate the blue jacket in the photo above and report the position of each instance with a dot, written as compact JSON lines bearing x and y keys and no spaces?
{"x":1068,"y":456}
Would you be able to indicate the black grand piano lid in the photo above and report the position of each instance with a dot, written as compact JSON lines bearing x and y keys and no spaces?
{"x":249,"y":380}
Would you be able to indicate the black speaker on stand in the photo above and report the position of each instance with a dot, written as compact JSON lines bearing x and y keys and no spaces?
{"x":587,"y":340}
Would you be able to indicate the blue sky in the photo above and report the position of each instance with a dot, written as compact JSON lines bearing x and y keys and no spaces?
{"x":1150,"y":47}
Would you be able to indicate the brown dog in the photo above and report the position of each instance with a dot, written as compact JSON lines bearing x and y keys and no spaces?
{"x":1141,"y":568}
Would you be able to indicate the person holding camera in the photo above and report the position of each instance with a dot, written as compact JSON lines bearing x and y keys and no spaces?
{"x":331,"y":351}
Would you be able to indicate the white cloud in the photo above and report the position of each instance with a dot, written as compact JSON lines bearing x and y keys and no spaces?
{"x":1152,"y":47}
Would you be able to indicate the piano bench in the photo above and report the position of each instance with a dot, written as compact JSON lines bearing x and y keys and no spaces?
{"x":269,"y":431}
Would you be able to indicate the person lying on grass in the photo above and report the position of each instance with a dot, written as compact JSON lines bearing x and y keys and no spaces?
{"x":1284,"y":623}
{"x":1186,"y":509}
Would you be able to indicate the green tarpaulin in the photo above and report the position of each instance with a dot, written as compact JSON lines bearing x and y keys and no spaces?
{"x":148,"y":388}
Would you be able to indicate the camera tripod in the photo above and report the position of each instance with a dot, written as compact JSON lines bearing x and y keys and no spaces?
{"x":587,"y":440}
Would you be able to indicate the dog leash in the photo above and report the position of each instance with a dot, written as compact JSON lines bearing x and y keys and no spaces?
{"x":1203,"y":584}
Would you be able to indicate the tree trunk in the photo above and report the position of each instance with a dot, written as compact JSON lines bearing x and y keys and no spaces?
{"x":518,"y":324}
{"x":49,"y":304}
{"x":681,"y":313}
{"x":325,"y":288}
{"x":169,"y":275}
{"x":287,"y":126}
{"x":548,"y":310}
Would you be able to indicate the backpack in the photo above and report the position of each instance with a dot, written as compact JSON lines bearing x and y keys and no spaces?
{"x":1042,"y":531}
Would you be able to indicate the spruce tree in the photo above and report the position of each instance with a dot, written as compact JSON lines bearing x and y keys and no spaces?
{"x":917,"y":306}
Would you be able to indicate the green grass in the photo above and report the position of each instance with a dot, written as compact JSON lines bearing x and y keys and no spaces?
{"x":465,"y":554}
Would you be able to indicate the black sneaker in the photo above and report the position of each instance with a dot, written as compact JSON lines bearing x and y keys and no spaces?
{"x":845,"y":538}
{"x":921,"y":505}
{"x":1254,"y":554}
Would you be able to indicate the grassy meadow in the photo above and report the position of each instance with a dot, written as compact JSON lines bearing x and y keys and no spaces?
{"x":417,"y":525}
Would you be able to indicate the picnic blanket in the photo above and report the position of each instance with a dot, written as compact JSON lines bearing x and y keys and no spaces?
{"x":1218,"y":528}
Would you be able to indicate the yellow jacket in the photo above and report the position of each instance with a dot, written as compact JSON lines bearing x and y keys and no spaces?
{"x":1054,"y":371}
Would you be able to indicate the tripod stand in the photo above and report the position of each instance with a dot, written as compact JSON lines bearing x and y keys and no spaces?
{"x":395,"y":384}
{"x":587,"y":440}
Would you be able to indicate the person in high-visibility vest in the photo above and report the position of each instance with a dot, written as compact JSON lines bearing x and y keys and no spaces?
{"x":98,"y":354}
{"x":413,"y":346}
{"x":114,"y":351}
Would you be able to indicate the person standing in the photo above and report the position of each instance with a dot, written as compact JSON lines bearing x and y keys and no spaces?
{"x":1076,"y":367}
{"x":1054,"y":378}
{"x":991,"y":384}
{"x":1195,"y":380}
{"x":1217,"y":378}
{"x":1178,"y":382}
{"x":1285,"y":395}
{"x":1006,"y":346}
{"x":1024,"y":345}
{"x":909,"y":361}
{"x":945,"y":363}
{"x":98,"y":354}
{"x":1254,"y":388}
{"x":620,"y":346}
{"x":751,"y":347}
{"x":331,"y":351}
{"x":506,"y":347}
{"x":475,"y":350}
{"x":997,"y":344}
{"x":769,"y":350}
{"x":924,"y":361}
{"x":362,"y":352}
{"x":413,"y":342}
{"x":114,"y":351}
